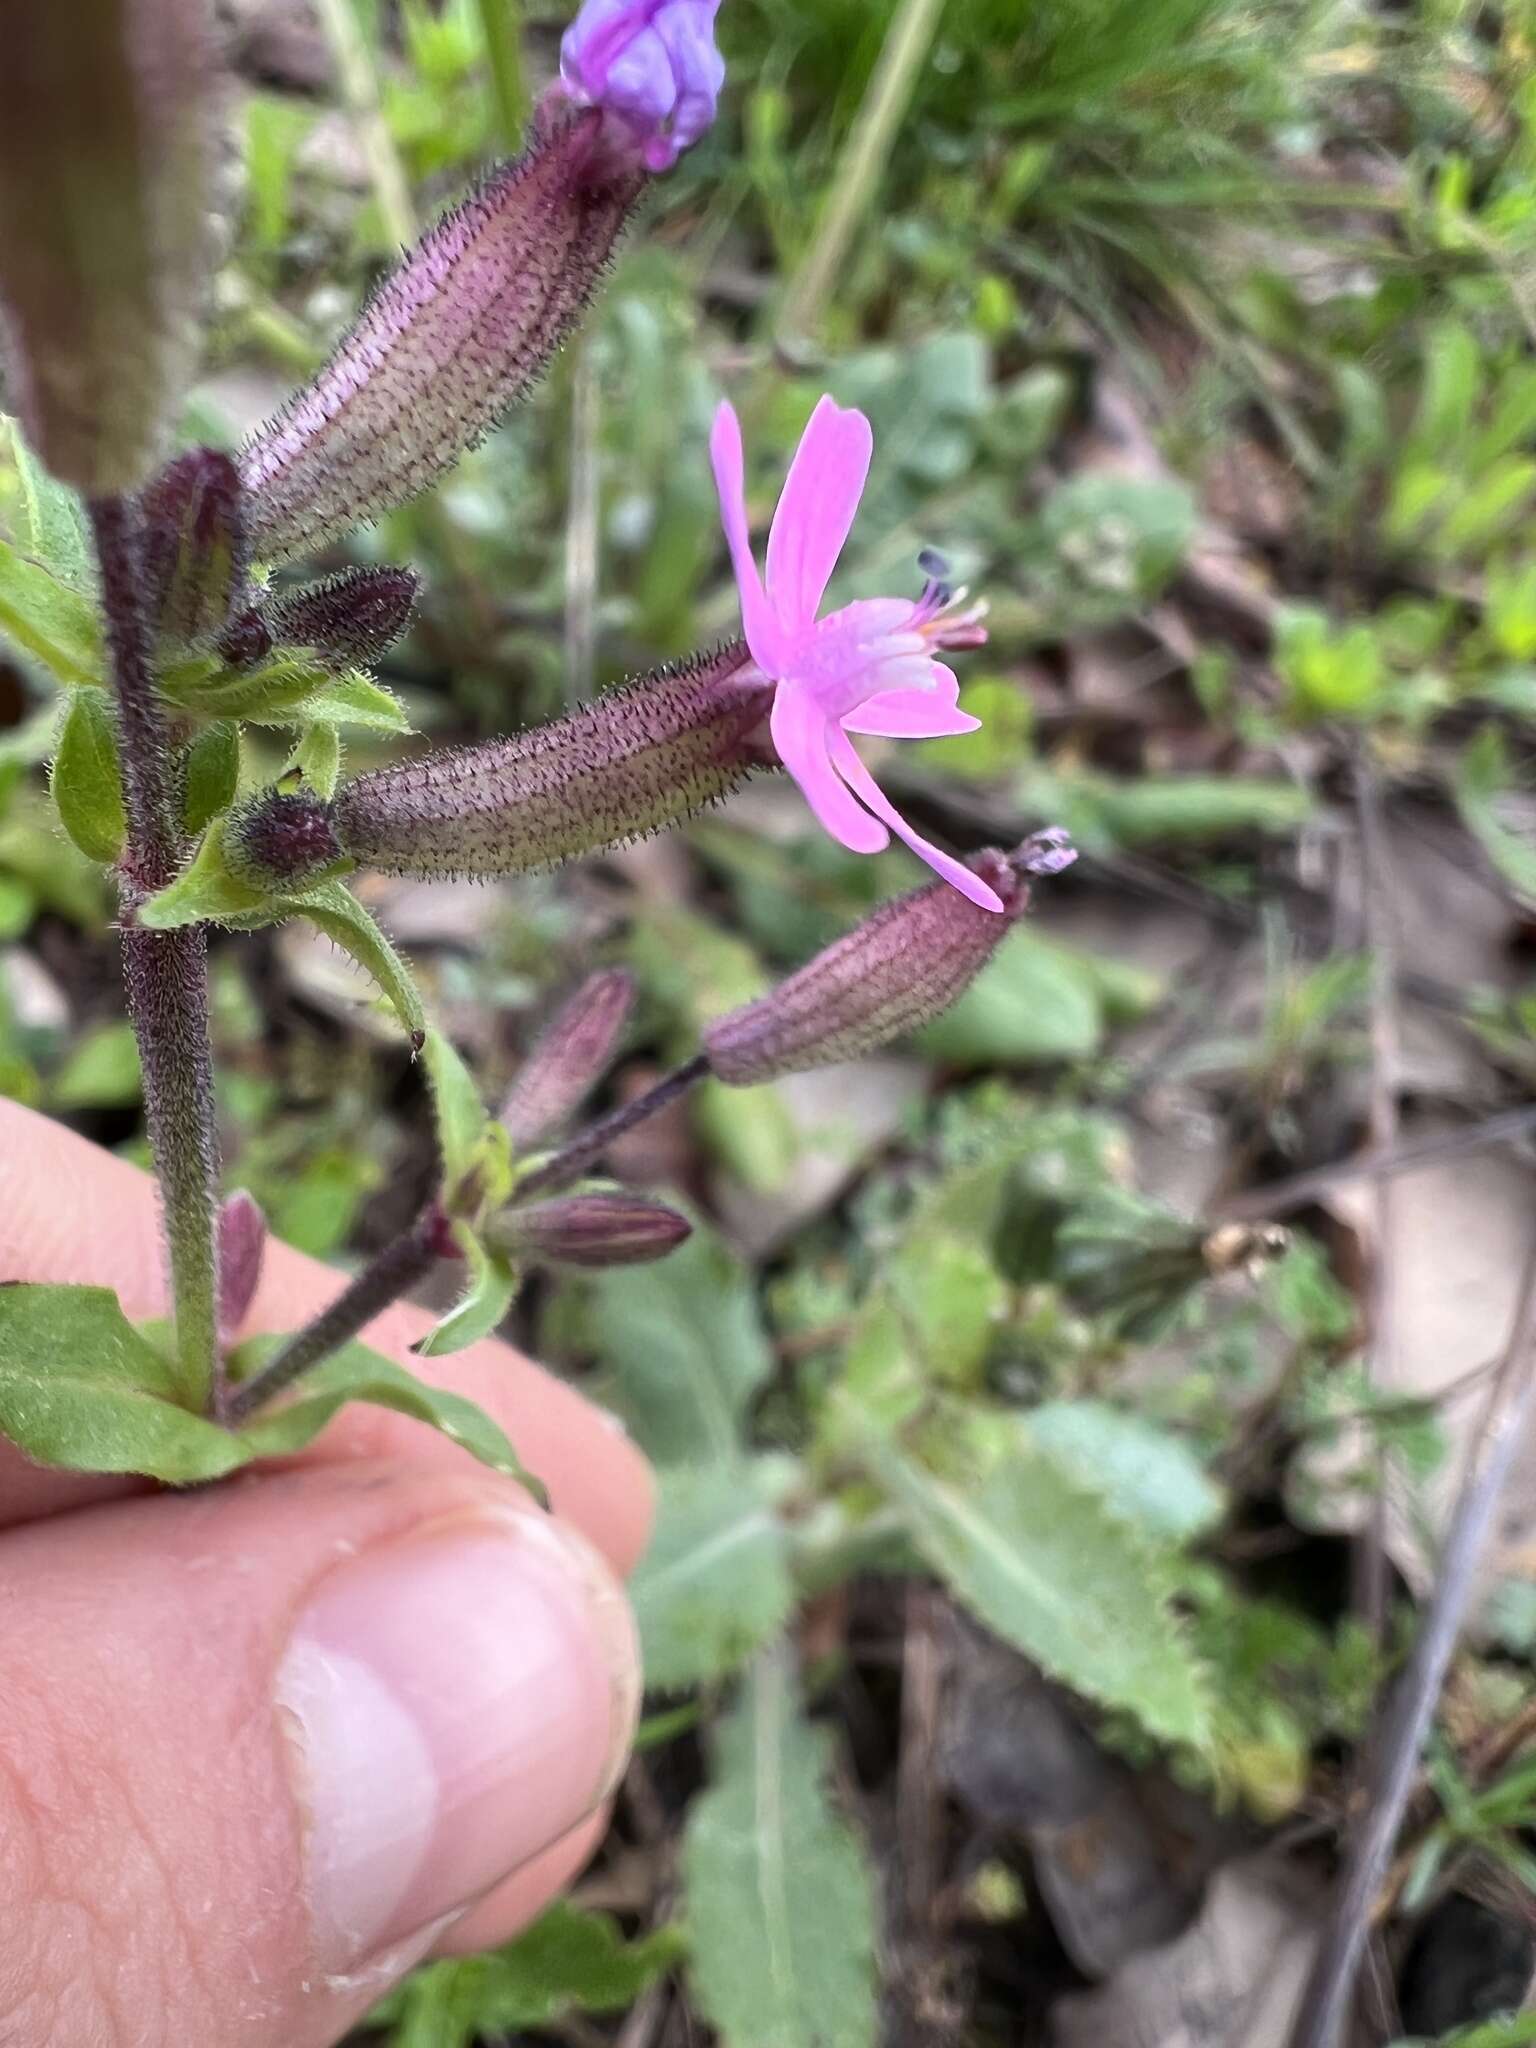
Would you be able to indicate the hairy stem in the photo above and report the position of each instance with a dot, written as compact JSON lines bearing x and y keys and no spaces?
{"x":165,"y":973}
{"x":584,"y":1151}
{"x":386,"y":1278}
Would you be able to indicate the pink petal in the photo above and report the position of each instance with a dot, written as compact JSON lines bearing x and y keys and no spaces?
{"x":816,"y":511}
{"x":913,"y":714}
{"x":757,"y":618}
{"x":859,"y":779}
{"x":801,"y":732}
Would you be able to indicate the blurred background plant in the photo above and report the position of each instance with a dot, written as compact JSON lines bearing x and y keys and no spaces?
{"x":1009,"y":1622}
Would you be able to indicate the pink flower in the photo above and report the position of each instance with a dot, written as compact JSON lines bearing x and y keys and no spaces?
{"x":868,"y":668}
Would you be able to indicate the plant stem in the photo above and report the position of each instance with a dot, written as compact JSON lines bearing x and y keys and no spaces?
{"x":860,"y":166}
{"x":165,"y":973}
{"x":500,"y":26}
{"x":1330,"y":1986}
{"x":574,"y":1159}
{"x":388,"y":1276}
{"x":395,"y":1270}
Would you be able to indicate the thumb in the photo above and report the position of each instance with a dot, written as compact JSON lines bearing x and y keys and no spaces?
{"x":260,"y":1746}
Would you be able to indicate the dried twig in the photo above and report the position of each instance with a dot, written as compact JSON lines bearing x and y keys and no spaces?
{"x":1326,"y":1998}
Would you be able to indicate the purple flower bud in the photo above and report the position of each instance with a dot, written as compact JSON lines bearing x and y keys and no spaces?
{"x":892,"y":973}
{"x":107,"y":153}
{"x":278,"y":840}
{"x":638,"y":759}
{"x":194,"y":550}
{"x":246,"y":640}
{"x":467,"y":322}
{"x":590,"y":1230}
{"x":349,"y":620}
{"x":569,"y":1059}
{"x":242,"y":1244}
{"x":652,"y":66}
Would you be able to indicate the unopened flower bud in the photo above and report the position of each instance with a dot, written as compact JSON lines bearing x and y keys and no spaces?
{"x":279,"y":839}
{"x":107,"y":141}
{"x":242,"y":1245}
{"x":193,"y":549}
{"x":653,"y":68}
{"x":247,"y":639}
{"x":350,"y":619}
{"x":638,"y":759}
{"x":590,"y":1230}
{"x":888,"y":976}
{"x":467,"y":322}
{"x":569,"y":1059}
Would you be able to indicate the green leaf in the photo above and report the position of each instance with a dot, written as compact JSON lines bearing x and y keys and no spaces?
{"x":714,"y":1586}
{"x":57,"y":626}
{"x":87,"y":779}
{"x":318,"y":758}
{"x":358,"y":1374}
{"x":53,"y":525}
{"x":685,"y":1344}
{"x":1043,"y":1562}
{"x":568,"y":1961}
{"x":269,"y":694}
{"x":475,"y":1148}
{"x":778,"y":1898}
{"x":208,"y":891}
{"x":1033,"y":1002}
{"x":210,"y":775}
{"x":356,"y":699}
{"x":492,"y":1289}
{"x":1149,"y":1476}
{"x":336,"y":911}
{"x":950,"y":1298}
{"x":102,"y":1071}
{"x":81,"y":1389}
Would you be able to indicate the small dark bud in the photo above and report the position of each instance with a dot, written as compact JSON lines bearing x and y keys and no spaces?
{"x":590,"y":1230}
{"x":279,"y":840}
{"x":242,"y":1246}
{"x":246,"y":639}
{"x":640,"y":758}
{"x":569,"y":1059}
{"x":349,"y":620}
{"x":891,"y":974}
{"x":471,"y":317}
{"x":194,"y":550}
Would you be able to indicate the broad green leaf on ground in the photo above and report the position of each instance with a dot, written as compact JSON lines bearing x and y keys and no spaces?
{"x":778,"y":1901}
{"x":87,"y":781}
{"x":336,"y":911}
{"x":52,"y":526}
{"x":80,"y":1388}
{"x":950,"y":1297}
{"x":567,"y":1962}
{"x":1039,"y":1558}
{"x":1033,"y":1002}
{"x":358,"y":1374}
{"x":1147,"y":1475}
{"x":482,"y":1307}
{"x":714,"y":1586}
{"x":57,"y":626}
{"x":686,"y":1349}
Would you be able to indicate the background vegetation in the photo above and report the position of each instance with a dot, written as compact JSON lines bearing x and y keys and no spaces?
{"x":1037,"y":1522}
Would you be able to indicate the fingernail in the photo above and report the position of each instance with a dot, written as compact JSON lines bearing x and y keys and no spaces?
{"x":455,"y":1702}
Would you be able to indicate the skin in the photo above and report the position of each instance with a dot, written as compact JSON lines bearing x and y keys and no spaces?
{"x":150,"y":1872}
